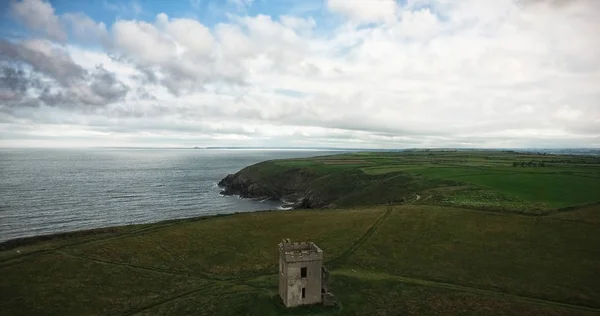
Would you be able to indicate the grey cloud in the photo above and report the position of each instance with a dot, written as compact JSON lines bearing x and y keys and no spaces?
{"x":16,"y":81}
{"x":43,"y":57}
{"x":103,"y":88}
{"x":175,"y":77}
{"x":52,"y":99}
{"x":69,"y":84}
{"x":147,"y":74}
{"x":105,"y":85}
{"x":14,"y":84}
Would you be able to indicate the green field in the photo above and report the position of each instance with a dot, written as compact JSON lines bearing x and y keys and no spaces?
{"x":486,"y":180}
{"x":410,"y":259}
{"x":414,"y":233}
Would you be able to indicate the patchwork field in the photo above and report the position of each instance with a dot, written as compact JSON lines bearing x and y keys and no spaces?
{"x":492,"y":180}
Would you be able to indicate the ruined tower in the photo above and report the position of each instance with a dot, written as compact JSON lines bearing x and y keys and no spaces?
{"x":300,"y":273}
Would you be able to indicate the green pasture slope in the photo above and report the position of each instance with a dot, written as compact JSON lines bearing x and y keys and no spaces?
{"x":472,"y":243}
{"x":488,"y":180}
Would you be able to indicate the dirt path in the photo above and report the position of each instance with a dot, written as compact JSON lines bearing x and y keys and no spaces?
{"x":344,"y":255}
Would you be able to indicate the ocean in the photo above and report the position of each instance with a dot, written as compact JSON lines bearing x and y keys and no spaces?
{"x":44,"y":191}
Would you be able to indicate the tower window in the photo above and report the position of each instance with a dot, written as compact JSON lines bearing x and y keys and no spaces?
{"x":303,"y":272}
{"x":303,"y":292}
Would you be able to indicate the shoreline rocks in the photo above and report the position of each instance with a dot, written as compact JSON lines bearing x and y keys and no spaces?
{"x":290,"y":189}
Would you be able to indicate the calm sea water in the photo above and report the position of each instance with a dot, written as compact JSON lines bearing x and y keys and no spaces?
{"x":46,"y":191}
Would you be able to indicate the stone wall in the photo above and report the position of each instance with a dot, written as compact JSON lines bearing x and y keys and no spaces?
{"x":300,"y":251}
{"x":311,"y":283}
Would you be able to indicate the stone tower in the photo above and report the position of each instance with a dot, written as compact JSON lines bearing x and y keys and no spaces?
{"x":300,"y":273}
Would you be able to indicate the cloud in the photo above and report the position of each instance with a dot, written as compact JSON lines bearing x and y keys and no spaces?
{"x":181,"y":51}
{"x":14,"y":83}
{"x":39,"y":16}
{"x":364,"y":11}
{"x":392,"y":74}
{"x":189,"y":33}
{"x":44,"y":57}
{"x":143,"y":42}
{"x":101,"y":88}
{"x":85,"y":29}
{"x":38,"y":72}
{"x":568,"y":113}
{"x":187,"y":55}
{"x":297,"y":23}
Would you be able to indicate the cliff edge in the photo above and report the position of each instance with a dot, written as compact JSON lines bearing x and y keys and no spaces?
{"x":268,"y":181}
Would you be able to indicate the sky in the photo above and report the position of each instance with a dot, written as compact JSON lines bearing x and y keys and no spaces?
{"x":311,"y":73}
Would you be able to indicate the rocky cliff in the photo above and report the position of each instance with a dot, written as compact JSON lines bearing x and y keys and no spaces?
{"x":266,"y":181}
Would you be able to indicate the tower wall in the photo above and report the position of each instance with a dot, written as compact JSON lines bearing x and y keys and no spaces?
{"x":292,"y":258}
{"x":283,"y":279}
{"x":311,"y":284}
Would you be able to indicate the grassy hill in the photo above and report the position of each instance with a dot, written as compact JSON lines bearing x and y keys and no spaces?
{"x":483,"y":237}
{"x":489,"y":180}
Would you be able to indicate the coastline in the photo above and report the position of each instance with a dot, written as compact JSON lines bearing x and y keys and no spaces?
{"x":14,"y":243}
{"x":68,"y":190}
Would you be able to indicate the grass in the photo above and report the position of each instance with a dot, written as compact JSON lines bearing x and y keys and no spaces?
{"x":521,"y":255}
{"x":556,"y":190}
{"x":477,"y":198}
{"x":411,"y":259}
{"x":244,"y":244}
{"x":392,"y":296}
{"x":490,"y":180}
{"x":586,"y":214}
{"x":55,"y":284}
{"x":412,"y":233}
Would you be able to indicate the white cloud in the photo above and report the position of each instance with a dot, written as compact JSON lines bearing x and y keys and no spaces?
{"x":297,"y":23}
{"x":364,"y":10}
{"x":188,"y":33}
{"x":39,"y":16}
{"x":569,"y":113}
{"x":143,"y":42}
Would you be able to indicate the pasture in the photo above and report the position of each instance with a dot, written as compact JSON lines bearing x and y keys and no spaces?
{"x":409,"y":259}
{"x":491,"y":180}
